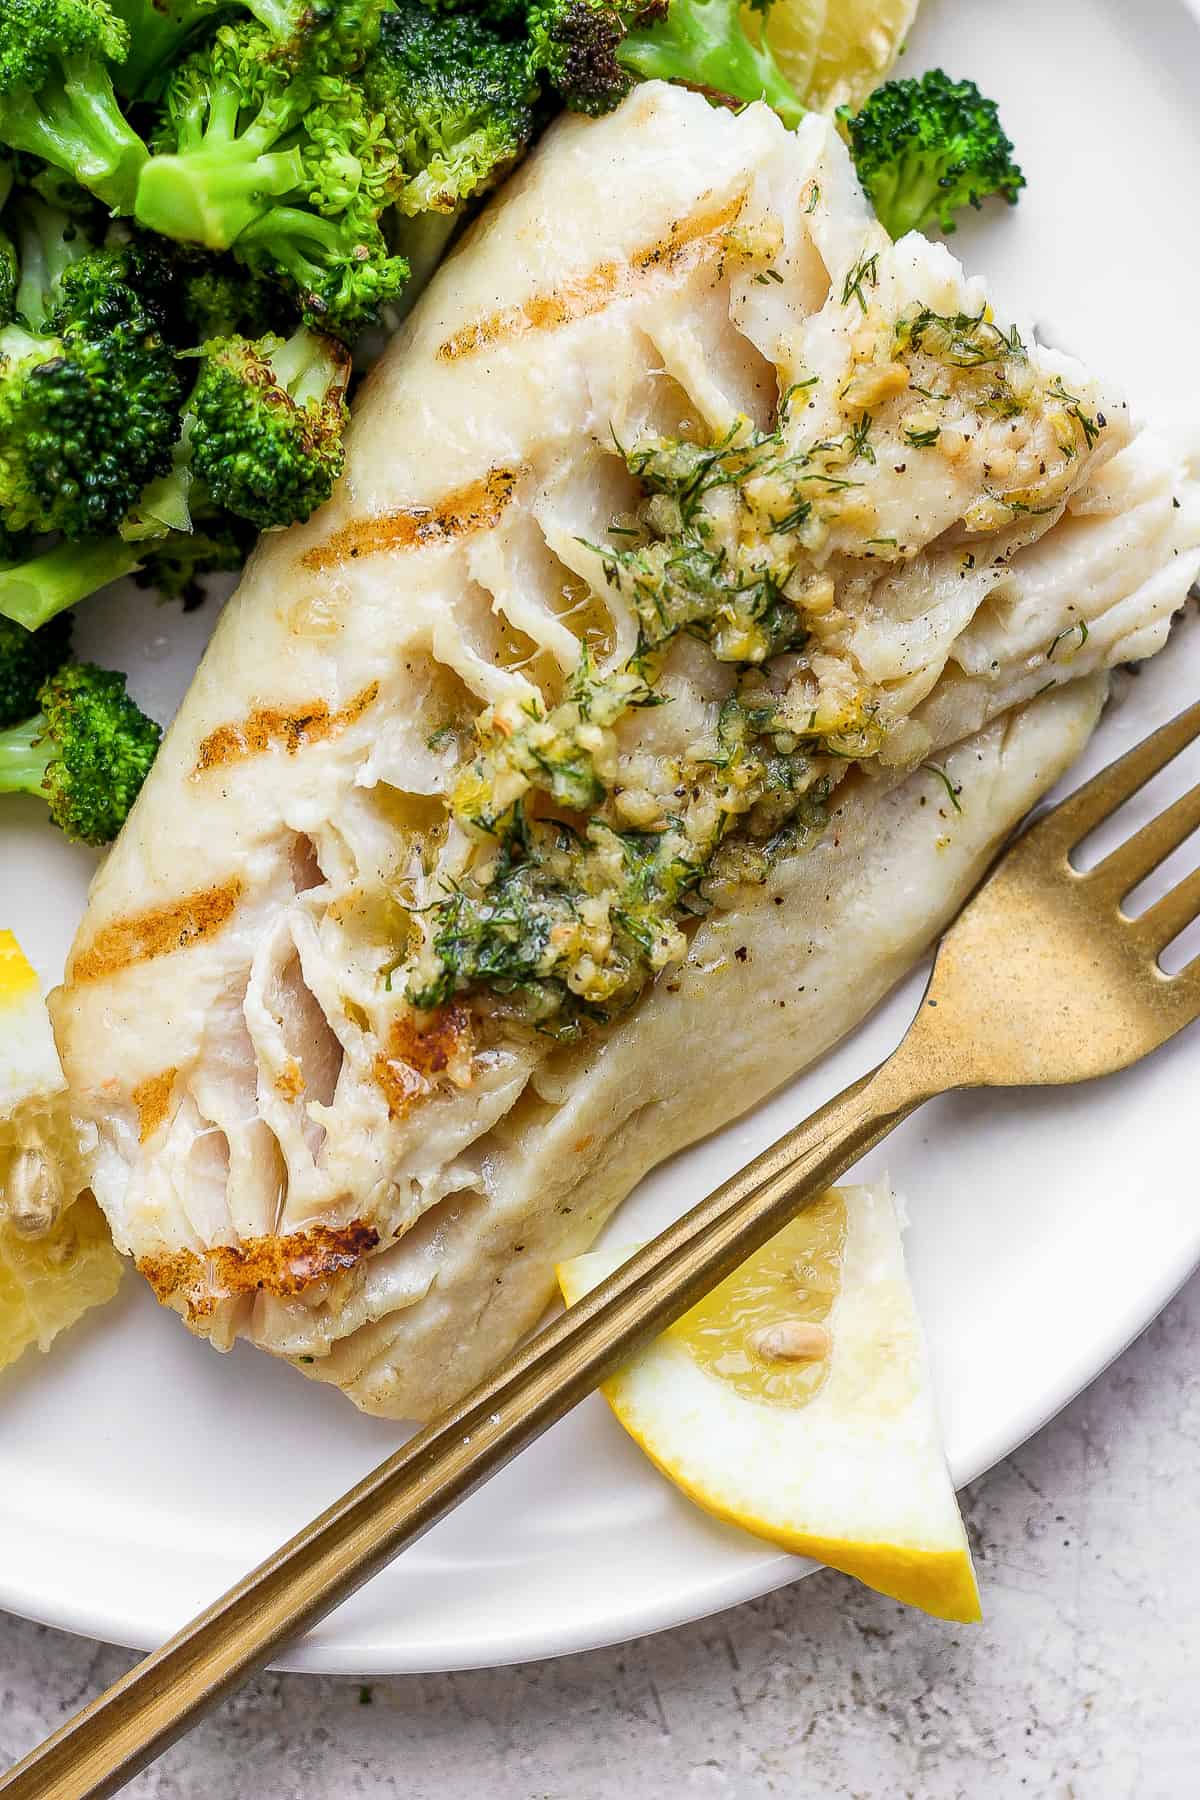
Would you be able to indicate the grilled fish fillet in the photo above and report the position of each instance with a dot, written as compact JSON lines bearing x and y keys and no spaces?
{"x":292,"y":1150}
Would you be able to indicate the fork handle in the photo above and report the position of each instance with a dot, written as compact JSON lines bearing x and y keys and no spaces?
{"x":104,"y":1746}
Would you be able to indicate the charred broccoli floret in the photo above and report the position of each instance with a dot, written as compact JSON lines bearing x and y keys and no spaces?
{"x":26,"y":658}
{"x":925,"y":149}
{"x":266,"y":423}
{"x":56,"y":93}
{"x":86,"y":752}
{"x":284,"y":159}
{"x":591,"y":51}
{"x":575,"y":44}
{"x":457,"y":103}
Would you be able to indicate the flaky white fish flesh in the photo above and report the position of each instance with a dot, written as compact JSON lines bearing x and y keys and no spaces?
{"x":294,"y":1154}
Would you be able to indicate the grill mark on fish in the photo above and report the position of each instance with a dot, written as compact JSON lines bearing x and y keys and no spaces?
{"x":580,"y":296}
{"x":415,"y":1056}
{"x":285,"y":1266}
{"x":475,"y":507}
{"x":271,"y":727}
{"x":139,"y":937}
{"x":151,"y":1098}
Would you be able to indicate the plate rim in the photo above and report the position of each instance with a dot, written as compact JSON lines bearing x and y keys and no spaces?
{"x":546,"y":1638}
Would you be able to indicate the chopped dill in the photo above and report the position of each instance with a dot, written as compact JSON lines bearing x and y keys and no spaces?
{"x":964,"y":340}
{"x":951,"y":790}
{"x":1081,"y":626}
{"x":1090,"y":427}
{"x":865,"y":270}
{"x":858,"y":440}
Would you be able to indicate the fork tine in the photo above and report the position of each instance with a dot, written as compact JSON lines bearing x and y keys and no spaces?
{"x":1140,"y":854}
{"x":1082,"y":811}
{"x":1162,"y":923}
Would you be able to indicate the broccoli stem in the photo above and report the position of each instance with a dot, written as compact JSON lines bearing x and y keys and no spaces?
{"x":304,"y":245}
{"x":75,"y":123}
{"x":25,"y":753}
{"x":909,"y":193}
{"x":702,"y":42}
{"x":210,"y":196}
{"x":305,"y":366}
{"x":421,"y":238}
{"x":37,"y":589}
{"x":50,"y":243}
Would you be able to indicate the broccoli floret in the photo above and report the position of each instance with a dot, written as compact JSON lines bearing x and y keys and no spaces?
{"x":705,"y":44}
{"x":925,"y":149}
{"x":574,"y":43}
{"x":456,"y":99}
{"x":220,"y":298}
{"x":161,"y":31}
{"x":56,"y":94}
{"x":86,"y":752}
{"x":340,"y":271}
{"x":287,"y":162}
{"x":266,"y":425}
{"x":37,"y":588}
{"x":129,"y":283}
{"x":88,"y":414}
{"x":26,"y":658}
{"x":591,"y":51}
{"x":226,"y":143}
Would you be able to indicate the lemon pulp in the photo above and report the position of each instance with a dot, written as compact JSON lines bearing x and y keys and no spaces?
{"x":48,"y":1282}
{"x":796,"y":1276}
{"x":835,"y":51}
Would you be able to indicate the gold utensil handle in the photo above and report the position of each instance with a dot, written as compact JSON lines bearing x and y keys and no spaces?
{"x":105,"y":1745}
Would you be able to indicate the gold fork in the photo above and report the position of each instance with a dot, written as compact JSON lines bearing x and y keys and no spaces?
{"x":1042,"y":979}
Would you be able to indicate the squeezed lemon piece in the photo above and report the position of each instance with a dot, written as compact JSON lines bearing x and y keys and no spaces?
{"x":733,"y":1332}
{"x":48,"y":1282}
{"x":835,"y":51}
{"x":797,"y":1403}
{"x":56,"y":1258}
{"x":794,"y":29}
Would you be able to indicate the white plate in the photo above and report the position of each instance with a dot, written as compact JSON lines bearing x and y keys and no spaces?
{"x":140,"y":1473}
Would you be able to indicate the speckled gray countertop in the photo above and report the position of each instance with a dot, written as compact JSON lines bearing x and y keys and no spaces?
{"x":1082,"y":1684}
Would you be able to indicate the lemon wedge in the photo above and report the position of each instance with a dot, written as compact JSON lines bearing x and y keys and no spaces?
{"x":794,"y":29}
{"x":835,"y":51}
{"x":56,"y":1257}
{"x":796,"y":1402}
